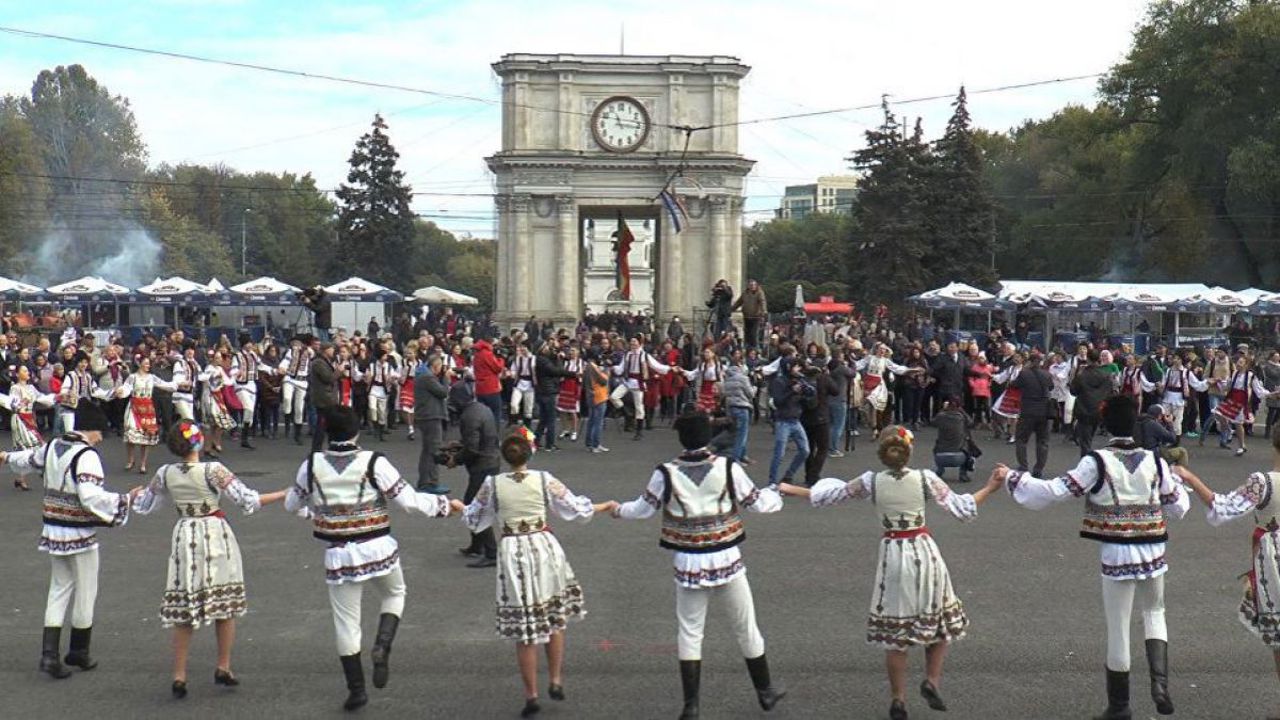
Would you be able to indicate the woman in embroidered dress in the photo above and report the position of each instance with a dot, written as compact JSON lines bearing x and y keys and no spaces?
{"x":537,"y":593}
{"x":1237,"y":407}
{"x":914,"y":603}
{"x":706,"y":378}
{"x":206,"y":578}
{"x":22,"y":400}
{"x":217,"y":417}
{"x":569,"y":401}
{"x":1009,"y":406}
{"x":405,"y":398}
{"x":141,"y":427}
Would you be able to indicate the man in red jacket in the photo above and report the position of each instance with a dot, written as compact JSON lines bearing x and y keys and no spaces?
{"x":488,"y":369}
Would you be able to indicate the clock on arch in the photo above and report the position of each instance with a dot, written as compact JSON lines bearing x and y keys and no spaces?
{"x":620,"y":124}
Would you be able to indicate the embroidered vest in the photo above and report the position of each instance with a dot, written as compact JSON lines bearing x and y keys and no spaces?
{"x":1175,"y":381}
{"x":248,"y":367}
{"x":352,"y":508}
{"x":521,"y":503}
{"x":190,"y":488}
{"x":1123,"y":506}
{"x":700,"y":513}
{"x":637,"y":365}
{"x":61,"y":501}
{"x":1265,"y":513}
{"x":900,"y":499}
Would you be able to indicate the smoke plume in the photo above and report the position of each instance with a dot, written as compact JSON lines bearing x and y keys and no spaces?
{"x":123,"y":252}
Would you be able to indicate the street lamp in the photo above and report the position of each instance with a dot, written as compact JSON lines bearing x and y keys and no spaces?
{"x":243,"y":244}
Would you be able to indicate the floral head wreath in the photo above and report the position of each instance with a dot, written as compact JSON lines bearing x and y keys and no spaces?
{"x":527,"y":435}
{"x":906,"y":435}
{"x":192,"y":433}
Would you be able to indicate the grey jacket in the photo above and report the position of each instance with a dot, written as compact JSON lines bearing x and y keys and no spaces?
{"x":430,"y":398}
{"x":479,"y":437}
{"x":737,"y":388}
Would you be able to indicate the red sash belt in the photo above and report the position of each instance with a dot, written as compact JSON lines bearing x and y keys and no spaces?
{"x":906,"y":534}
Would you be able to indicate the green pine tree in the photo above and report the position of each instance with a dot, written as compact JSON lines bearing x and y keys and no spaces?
{"x":958,"y":214}
{"x":375,"y":222}
{"x":890,"y":241}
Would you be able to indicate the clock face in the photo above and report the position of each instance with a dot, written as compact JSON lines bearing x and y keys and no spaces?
{"x":620,"y":124}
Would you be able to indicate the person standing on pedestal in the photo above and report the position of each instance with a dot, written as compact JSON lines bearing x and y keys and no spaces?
{"x":755,"y":309}
{"x":430,"y":412}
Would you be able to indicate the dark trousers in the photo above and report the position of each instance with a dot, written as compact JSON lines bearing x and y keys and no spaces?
{"x":483,"y":540}
{"x":432,"y":438}
{"x":546,"y":436}
{"x":819,"y":445}
{"x":1027,"y":426}
{"x":1086,"y":428}
{"x":494,"y":403}
{"x":752,"y":331}
{"x":912,"y":403}
{"x":318,"y":432}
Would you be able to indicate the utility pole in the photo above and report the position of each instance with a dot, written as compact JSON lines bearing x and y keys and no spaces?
{"x":243,"y":242}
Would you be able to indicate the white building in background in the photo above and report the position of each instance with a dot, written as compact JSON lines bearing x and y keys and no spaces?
{"x":830,"y":194}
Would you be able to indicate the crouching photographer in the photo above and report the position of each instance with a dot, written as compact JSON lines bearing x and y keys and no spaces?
{"x":317,"y":301}
{"x":478,"y":452}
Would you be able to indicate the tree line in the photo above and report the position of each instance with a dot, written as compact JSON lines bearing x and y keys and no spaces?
{"x":78,"y":196}
{"x":1172,"y":175}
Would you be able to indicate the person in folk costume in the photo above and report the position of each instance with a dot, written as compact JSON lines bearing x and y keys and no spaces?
{"x":1129,"y":495}
{"x":1217,"y":373}
{"x":672,"y":384}
{"x":205,"y":581}
{"x":637,"y":369}
{"x":77,"y":387}
{"x":537,"y":592}
{"x":213,"y":403}
{"x":186,"y":377}
{"x":914,"y":604}
{"x":524,"y":375}
{"x":1257,"y":496}
{"x":296,"y":368}
{"x":875,"y":389}
{"x":701,"y":496}
{"x":1132,"y":381}
{"x":382,"y":374}
{"x":76,"y":504}
{"x":1060,"y":371}
{"x":1009,"y":404}
{"x":346,"y":492}
{"x":569,"y":402}
{"x":245,"y":368}
{"x":405,"y":399}
{"x":346,"y":382}
{"x":1236,"y":409}
{"x":1175,"y":389}
{"x":21,"y":401}
{"x":141,"y":426}
{"x":707,"y":377}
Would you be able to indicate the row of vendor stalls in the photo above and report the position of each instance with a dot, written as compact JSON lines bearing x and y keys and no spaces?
{"x":1064,"y":313}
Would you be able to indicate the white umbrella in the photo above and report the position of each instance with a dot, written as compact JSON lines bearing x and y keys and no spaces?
{"x":355,"y":289}
{"x":441,"y":296}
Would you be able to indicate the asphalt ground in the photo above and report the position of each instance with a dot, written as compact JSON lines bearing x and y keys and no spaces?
{"x":1030,"y":586}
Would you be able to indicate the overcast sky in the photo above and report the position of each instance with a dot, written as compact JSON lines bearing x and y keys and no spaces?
{"x":804,"y":54}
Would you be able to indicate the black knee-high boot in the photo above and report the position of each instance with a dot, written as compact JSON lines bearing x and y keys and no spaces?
{"x":691,"y":682}
{"x":766,"y":693}
{"x":79,"y":652}
{"x":1158,"y":660}
{"x":1117,"y":697}
{"x":381,"y":654}
{"x":49,"y":662}
{"x":354,"y":670}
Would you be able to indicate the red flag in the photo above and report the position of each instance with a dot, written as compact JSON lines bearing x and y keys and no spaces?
{"x":622,"y":240}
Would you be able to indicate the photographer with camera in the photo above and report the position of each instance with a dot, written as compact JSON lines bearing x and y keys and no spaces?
{"x":478,"y":451}
{"x":721,"y":304}
{"x":430,"y":412}
{"x":317,"y":301}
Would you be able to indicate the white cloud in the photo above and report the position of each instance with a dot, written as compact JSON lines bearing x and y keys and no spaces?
{"x":805,"y":55}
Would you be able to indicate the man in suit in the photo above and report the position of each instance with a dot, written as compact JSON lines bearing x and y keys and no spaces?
{"x":322,"y":388}
{"x":948,"y":372}
{"x":1035,"y":383}
{"x":430,"y":411}
{"x":1091,"y":386}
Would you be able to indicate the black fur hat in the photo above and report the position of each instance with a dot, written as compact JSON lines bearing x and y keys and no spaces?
{"x":1119,"y":415}
{"x":694,"y":429}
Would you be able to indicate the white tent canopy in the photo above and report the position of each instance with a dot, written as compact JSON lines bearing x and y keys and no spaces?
{"x":356,"y":289}
{"x":88,"y":285}
{"x":14,"y":287}
{"x":215,"y":285}
{"x":958,"y":291}
{"x":263,"y":286}
{"x":1062,"y":291}
{"x":441,"y":296}
{"x":169,"y":287}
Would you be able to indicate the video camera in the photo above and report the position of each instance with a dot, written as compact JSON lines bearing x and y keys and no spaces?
{"x":449,"y":454}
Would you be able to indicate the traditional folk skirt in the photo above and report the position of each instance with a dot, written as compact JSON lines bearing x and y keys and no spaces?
{"x":1010,"y":403}
{"x":140,"y":425}
{"x":206,"y":576}
{"x":708,"y":400}
{"x":569,"y":399}
{"x":537,"y":593}
{"x":914,"y":603}
{"x":1235,"y":409}
{"x":405,"y":399}
{"x":25,"y":434}
{"x":215,"y":411}
{"x":1260,"y":608}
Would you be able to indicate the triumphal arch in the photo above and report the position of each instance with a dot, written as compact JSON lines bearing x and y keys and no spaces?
{"x":588,"y":143}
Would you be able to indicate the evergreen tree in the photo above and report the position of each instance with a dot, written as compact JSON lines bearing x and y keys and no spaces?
{"x":890,"y":241}
{"x":375,"y":222}
{"x":959,"y":207}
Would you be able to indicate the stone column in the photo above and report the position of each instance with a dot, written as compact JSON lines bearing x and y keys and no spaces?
{"x":521,"y":258}
{"x":671,"y":271}
{"x":568,"y":301}
{"x":718,"y":266}
{"x":502,"y":289}
{"x":737,"y":269}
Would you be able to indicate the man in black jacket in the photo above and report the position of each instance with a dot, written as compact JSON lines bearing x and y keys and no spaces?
{"x":1091,"y":386}
{"x":546,"y":390}
{"x":1035,"y":383}
{"x":430,"y":393}
{"x":479,"y":454}
{"x":948,"y":371}
{"x":322,"y":389}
